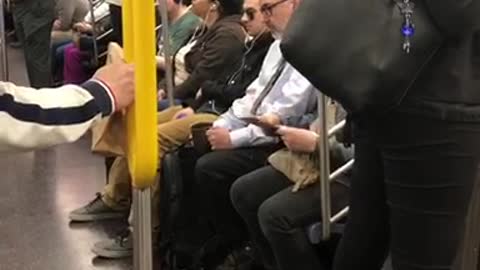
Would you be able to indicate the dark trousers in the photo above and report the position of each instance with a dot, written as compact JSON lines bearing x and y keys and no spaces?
{"x":36,"y":45}
{"x":117,"y":27}
{"x":276,"y":217}
{"x":215,"y":172}
{"x":412,"y":186}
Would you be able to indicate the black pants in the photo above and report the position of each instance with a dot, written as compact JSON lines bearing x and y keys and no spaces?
{"x":412,"y":185}
{"x":215,"y":172}
{"x":117,"y":27}
{"x":276,"y":217}
{"x":33,"y":26}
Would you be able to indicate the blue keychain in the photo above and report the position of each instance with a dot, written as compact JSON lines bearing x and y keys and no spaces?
{"x":408,"y":28}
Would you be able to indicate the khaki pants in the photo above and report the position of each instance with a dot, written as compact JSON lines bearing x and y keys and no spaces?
{"x":171,"y":134}
{"x":61,"y":36}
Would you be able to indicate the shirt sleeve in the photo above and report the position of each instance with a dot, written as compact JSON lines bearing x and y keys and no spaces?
{"x":251,"y":135}
{"x":33,"y":119}
{"x":243,"y":134}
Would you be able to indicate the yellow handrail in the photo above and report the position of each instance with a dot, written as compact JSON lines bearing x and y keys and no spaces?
{"x":139,"y":47}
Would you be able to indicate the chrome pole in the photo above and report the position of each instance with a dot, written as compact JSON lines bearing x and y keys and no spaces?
{"x":94,"y":31}
{"x":323,"y":146}
{"x":142,"y":229}
{"x":167,"y":50}
{"x":3,"y":44}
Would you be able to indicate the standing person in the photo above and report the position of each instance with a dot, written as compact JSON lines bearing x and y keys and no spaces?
{"x":116,"y":18}
{"x":415,"y":167}
{"x":33,"y":25}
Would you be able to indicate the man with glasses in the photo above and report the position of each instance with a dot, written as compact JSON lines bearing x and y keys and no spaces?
{"x":276,"y":12}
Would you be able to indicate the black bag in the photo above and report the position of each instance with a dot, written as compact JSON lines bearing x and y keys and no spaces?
{"x":352,"y":50}
{"x":181,"y":230}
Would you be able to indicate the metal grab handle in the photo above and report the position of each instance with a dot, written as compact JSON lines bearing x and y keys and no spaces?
{"x":167,"y":51}
{"x":3,"y":44}
{"x":94,"y":31}
{"x":324,"y":156}
{"x":325,"y":176}
{"x":343,"y":213}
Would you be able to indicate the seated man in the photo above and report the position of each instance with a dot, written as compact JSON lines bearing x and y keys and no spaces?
{"x":277,"y":204}
{"x":174,"y":131}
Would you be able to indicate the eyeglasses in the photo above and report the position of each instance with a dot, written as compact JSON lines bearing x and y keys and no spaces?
{"x":250,"y":13}
{"x":267,"y":9}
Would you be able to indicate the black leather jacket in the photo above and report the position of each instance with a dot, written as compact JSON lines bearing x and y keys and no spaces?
{"x":449,"y":88}
{"x":215,"y":51}
{"x":218,"y":95}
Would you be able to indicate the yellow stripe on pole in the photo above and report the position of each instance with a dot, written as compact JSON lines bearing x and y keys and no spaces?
{"x":139,"y":45}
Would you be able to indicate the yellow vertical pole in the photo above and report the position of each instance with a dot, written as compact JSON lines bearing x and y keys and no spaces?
{"x":127,"y":21}
{"x":142,"y":115}
{"x":139,"y":48}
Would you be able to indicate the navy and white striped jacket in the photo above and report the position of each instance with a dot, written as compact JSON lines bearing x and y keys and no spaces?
{"x":32,"y":119}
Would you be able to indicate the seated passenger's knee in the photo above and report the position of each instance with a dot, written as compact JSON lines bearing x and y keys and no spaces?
{"x":208,"y":163}
{"x":272,"y":218}
{"x":241,"y":195}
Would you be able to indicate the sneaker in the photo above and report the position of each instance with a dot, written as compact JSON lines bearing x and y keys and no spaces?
{"x":16,"y":44}
{"x":118,"y":248}
{"x":97,"y":210}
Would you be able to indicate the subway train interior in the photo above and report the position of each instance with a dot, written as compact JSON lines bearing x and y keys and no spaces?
{"x":201,"y":172}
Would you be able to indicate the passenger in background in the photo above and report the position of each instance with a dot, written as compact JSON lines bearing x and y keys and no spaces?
{"x":242,"y":138}
{"x":33,"y":25}
{"x":183,"y":23}
{"x":75,"y":55}
{"x":216,"y":47}
{"x":69,"y":12}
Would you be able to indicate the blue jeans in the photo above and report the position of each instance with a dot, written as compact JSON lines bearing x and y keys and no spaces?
{"x":164,"y":104}
{"x":58,"y":59}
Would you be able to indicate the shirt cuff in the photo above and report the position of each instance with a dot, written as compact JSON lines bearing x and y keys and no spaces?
{"x":102,"y":96}
{"x":240,"y":137}
{"x":220,"y":123}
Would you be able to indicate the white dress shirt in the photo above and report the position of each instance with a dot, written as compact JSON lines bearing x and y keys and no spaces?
{"x":291,"y":96}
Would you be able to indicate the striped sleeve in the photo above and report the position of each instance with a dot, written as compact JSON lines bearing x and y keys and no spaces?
{"x":32,"y":119}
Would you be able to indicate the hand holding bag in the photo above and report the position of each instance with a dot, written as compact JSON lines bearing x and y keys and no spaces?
{"x":302,"y":168}
{"x":353,"y":50}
